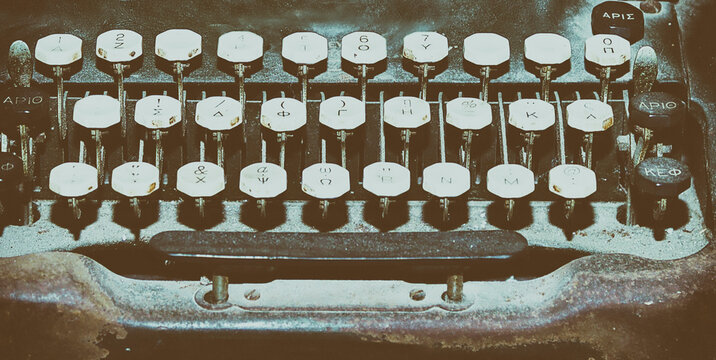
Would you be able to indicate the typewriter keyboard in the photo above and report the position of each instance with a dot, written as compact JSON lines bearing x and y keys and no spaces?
{"x":574,"y":139}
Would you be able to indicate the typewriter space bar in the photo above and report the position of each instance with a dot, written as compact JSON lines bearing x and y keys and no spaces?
{"x":392,"y":248}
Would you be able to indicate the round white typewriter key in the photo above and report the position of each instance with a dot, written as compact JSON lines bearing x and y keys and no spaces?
{"x":468,"y":115}
{"x":510,"y":181}
{"x":531,"y":116}
{"x":283,"y":114}
{"x":119,"y":46}
{"x":200,"y":180}
{"x":446,"y":180}
{"x":73,"y":180}
{"x":589,"y":116}
{"x":97,"y":113}
{"x":304,"y":48}
{"x":572,"y":181}
{"x":135,"y":180}
{"x":219,"y":114}
{"x":240,"y":47}
{"x":263,"y":180}
{"x":486,"y":51}
{"x":342,"y":113}
{"x":178,"y":45}
{"x":607,"y":51}
{"x":406,"y":113}
{"x":425,"y":47}
{"x":325,"y":181}
{"x":59,"y":51}
{"x":547,"y":51}
{"x":386,"y":180}
{"x":364,"y":48}
{"x":157,"y":113}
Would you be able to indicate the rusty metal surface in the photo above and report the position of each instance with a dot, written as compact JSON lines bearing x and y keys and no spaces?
{"x":604,"y":306}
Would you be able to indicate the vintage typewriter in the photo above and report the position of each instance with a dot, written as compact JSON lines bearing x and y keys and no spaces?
{"x":399,"y":179}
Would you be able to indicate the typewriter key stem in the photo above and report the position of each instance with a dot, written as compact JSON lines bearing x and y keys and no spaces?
{"x":158,"y":151}
{"x":569,"y":208}
{"x":342,"y":138}
{"x":445,"y":206}
{"x":261,"y":205}
{"x":61,"y":125}
{"x":323,"y":205}
{"x":527,"y":151}
{"x":510,"y":209}
{"x":99,"y":155}
{"x":467,"y":148}
{"x":75,"y":205}
{"x":220,"y":289}
{"x":454,"y":288}
{"x":303,"y":75}
{"x":545,"y":75}
{"x":405,"y":135}
{"x":605,"y":75}
{"x":219,"y":136}
{"x":26,"y":153}
{"x":484,"y":81}
{"x":363,"y":80}
{"x":121,"y":96}
{"x":384,"y":205}
{"x":282,"y":138}
{"x":134,"y":203}
{"x":201,"y":205}
{"x":642,"y":145}
{"x":179,"y":72}
{"x":660,"y":209}
{"x":424,"y":68}
{"x":587,"y":149}
{"x":240,"y":70}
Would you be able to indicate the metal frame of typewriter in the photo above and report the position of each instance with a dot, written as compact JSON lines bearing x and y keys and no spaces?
{"x":653,"y":302}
